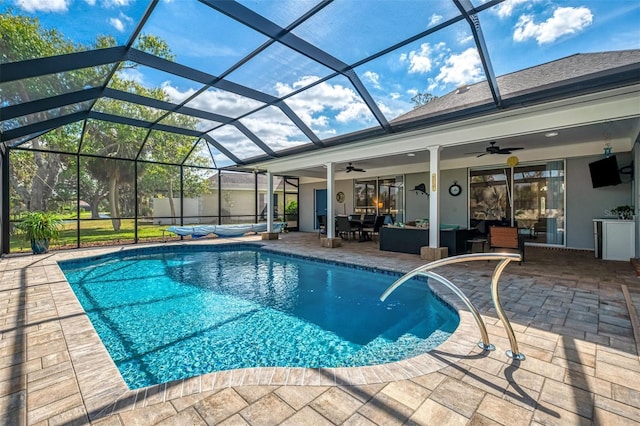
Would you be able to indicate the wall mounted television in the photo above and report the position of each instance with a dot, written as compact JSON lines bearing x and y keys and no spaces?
{"x":605,"y":172}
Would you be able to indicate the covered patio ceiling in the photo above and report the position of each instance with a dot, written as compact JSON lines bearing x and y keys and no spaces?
{"x":249,"y":84}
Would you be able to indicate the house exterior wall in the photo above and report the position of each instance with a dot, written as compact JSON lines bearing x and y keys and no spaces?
{"x":417,"y":205}
{"x":585,"y":203}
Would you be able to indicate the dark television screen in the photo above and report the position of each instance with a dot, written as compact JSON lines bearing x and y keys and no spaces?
{"x":605,"y":172}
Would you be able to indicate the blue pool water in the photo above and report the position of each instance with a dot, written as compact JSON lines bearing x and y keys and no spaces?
{"x":176,"y":312}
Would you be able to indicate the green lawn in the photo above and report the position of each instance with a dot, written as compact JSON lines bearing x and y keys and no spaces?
{"x":99,"y":232}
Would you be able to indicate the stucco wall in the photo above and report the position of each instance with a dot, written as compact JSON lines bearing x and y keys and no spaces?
{"x":584,"y":203}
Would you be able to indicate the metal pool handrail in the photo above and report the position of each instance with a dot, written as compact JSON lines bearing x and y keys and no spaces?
{"x":504,"y":259}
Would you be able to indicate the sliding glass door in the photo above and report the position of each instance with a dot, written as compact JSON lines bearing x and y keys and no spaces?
{"x":531,"y":197}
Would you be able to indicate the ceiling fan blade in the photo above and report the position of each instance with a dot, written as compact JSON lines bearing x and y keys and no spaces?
{"x":515,"y":149}
{"x":480,"y":155}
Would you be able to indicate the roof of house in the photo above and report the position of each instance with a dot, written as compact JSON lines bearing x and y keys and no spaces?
{"x":563,"y":71}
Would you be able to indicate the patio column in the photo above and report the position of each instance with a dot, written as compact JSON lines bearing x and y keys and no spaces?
{"x":269,"y":202}
{"x":434,"y":197}
{"x":331,"y":240}
{"x":269,"y":235}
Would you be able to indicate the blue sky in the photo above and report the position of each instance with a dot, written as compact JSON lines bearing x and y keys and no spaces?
{"x":519,"y":34}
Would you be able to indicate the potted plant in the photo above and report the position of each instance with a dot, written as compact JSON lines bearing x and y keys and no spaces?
{"x":39,"y":228}
{"x":623,"y":212}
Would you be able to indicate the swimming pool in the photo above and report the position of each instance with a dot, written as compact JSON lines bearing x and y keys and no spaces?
{"x":174,"y":312}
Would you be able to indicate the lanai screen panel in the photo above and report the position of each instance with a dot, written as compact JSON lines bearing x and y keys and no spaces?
{"x":168,"y":147}
{"x":200,"y":37}
{"x":273,"y":127}
{"x":62,"y":139}
{"x":236,"y":142}
{"x":278,"y":71}
{"x":37,"y":117}
{"x":45,"y":86}
{"x":332,"y":108}
{"x":352,"y":31}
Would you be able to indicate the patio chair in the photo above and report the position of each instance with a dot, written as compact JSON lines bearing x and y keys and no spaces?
{"x":506,"y":237}
{"x":344,"y":227}
{"x":374,"y":228}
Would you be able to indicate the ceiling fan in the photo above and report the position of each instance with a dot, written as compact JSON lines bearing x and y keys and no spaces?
{"x":352,"y":168}
{"x":494,"y":149}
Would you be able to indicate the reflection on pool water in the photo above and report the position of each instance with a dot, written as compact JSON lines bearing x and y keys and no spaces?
{"x":175,"y":312}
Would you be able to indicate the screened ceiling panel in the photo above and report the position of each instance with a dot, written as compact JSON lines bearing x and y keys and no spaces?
{"x":332,"y":108}
{"x":176,"y":89}
{"x":423,"y":67}
{"x":279,"y":13}
{"x":44,"y":115}
{"x":184,"y":121}
{"x":224,"y":103}
{"x":353,"y":31}
{"x":200,"y":36}
{"x":64,"y":139}
{"x":127,"y":109}
{"x":46,"y":86}
{"x":279,"y":71}
{"x":275,"y":129}
{"x":23,"y":140}
{"x":202,"y":155}
{"x":94,"y":20}
{"x":236,"y":142}
{"x":262,"y":76}
{"x":167,"y":147}
{"x":108,"y":139}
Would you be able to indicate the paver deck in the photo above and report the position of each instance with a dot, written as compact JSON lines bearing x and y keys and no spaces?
{"x":572,"y":315}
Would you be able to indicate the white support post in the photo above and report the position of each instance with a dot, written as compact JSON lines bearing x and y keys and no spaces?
{"x":434,"y":196}
{"x":269,"y":202}
{"x":331,"y":223}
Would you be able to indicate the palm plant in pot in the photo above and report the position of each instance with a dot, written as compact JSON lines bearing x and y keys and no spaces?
{"x":39,"y":228}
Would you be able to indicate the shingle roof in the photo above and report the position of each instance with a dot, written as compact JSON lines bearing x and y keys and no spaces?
{"x":563,"y":71}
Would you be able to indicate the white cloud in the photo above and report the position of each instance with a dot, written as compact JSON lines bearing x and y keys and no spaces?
{"x":319,"y":104}
{"x":505,"y":9}
{"x":116,"y":3}
{"x":463,"y":68}
{"x":419,"y":60}
{"x":117,"y":24}
{"x":465,"y":38}
{"x":216,"y":101}
{"x":434,"y":19}
{"x":373,"y":77}
{"x":133,"y":75}
{"x":120,"y":22}
{"x":565,"y":21}
{"x":43,"y":5}
{"x":90,"y":2}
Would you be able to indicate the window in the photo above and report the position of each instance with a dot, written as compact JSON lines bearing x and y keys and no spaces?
{"x":380,"y":196}
{"x":529,"y":196}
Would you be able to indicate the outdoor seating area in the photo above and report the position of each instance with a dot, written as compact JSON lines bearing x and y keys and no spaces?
{"x":581,"y":367}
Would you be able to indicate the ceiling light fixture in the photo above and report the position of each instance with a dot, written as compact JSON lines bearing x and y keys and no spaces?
{"x":411,"y":154}
{"x":551,"y":134}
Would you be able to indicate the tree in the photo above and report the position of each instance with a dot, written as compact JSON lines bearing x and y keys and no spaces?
{"x":23,"y":38}
{"x":421,"y":99}
{"x":108,"y":178}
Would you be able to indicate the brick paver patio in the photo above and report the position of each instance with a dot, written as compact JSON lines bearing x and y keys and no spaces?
{"x":572,"y":315}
